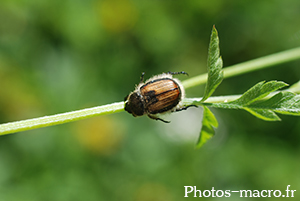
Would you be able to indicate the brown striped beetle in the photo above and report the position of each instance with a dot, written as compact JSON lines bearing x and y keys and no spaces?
{"x":160,"y":94}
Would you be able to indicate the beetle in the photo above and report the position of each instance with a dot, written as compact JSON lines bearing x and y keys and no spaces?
{"x":159,"y":94}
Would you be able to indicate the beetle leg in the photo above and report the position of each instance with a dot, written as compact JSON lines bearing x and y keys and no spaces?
{"x":185,"y":108}
{"x":142,"y":77}
{"x":176,"y":73}
{"x":156,"y":118}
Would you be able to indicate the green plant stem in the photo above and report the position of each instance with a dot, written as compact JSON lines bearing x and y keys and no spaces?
{"x":45,"y":121}
{"x":212,"y":99}
{"x":248,"y":66}
{"x":237,"y":69}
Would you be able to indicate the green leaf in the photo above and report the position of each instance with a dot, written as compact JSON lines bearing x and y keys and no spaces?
{"x":214,"y":65}
{"x":295,"y":88}
{"x":267,"y":115}
{"x":207,"y":131}
{"x":284,"y":103}
{"x":259,"y":91}
{"x":254,"y":101}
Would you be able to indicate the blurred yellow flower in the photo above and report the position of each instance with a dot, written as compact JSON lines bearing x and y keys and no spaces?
{"x":18,"y":98}
{"x":153,"y":191}
{"x":101,"y":135}
{"x":117,"y":15}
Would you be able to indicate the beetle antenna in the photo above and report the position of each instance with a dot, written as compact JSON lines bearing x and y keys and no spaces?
{"x":177,"y":73}
{"x":142,"y":77}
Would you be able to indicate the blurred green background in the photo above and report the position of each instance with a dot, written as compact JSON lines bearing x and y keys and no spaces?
{"x":58,"y":56}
